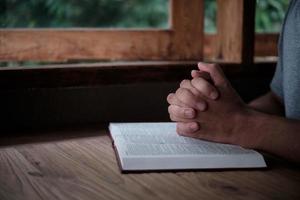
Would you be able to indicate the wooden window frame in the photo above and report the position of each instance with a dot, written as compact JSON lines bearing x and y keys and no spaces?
{"x":167,"y":55}
{"x":182,"y":41}
{"x":265,"y":45}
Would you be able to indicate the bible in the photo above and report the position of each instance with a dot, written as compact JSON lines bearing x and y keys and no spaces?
{"x":157,"y":146}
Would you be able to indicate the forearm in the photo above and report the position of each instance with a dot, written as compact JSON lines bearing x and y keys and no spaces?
{"x":270,"y":133}
{"x":268,"y":103}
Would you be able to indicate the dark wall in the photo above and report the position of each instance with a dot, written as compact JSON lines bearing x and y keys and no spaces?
{"x":36,"y":108}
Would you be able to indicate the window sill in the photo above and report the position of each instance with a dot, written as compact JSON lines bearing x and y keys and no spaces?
{"x":95,"y":74}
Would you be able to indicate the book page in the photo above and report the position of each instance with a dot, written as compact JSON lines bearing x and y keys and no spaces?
{"x":161,"y":139}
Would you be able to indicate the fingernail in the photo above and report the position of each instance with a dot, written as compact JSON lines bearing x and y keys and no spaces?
{"x":214,"y":95}
{"x":189,"y":113}
{"x":194,"y":127}
{"x":201,"y":106}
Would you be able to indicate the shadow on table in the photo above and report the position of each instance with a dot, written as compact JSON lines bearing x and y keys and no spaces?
{"x":18,"y":137}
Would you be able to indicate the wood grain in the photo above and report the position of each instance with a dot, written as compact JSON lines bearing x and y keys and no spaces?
{"x":83,"y":44}
{"x":188,"y":25}
{"x":49,"y":166}
{"x":235,"y":36}
{"x":265,"y":45}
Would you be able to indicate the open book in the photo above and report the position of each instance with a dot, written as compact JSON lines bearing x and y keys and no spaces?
{"x":157,"y":146}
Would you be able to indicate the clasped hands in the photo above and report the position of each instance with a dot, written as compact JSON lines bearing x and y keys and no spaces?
{"x":207,"y":107}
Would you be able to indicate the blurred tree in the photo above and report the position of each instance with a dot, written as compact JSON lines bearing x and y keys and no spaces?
{"x":270,"y":14}
{"x":84,"y":13}
{"x":120,"y":13}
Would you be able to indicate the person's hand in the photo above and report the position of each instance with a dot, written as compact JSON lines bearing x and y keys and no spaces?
{"x":214,"y":120}
{"x":180,"y":112}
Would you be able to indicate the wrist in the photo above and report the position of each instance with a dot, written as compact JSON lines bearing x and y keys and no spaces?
{"x":248,"y":122}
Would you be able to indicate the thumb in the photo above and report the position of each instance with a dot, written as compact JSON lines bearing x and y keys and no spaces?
{"x":215,"y":72}
{"x":201,"y":74}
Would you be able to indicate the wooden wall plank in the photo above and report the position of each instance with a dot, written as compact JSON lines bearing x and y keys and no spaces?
{"x":265,"y":44}
{"x":85,"y":44}
{"x":188,"y":25}
{"x":235,"y":27}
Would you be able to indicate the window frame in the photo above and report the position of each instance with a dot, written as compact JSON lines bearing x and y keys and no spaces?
{"x":182,"y":41}
{"x":166,"y":54}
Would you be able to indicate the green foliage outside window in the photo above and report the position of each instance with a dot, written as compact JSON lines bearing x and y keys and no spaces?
{"x":84,"y":13}
{"x":270,"y":14}
{"x":120,"y":13}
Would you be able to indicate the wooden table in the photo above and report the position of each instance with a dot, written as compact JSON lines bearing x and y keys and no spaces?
{"x":81,"y":164}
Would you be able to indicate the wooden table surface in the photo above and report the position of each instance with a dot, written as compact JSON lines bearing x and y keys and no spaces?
{"x":81,"y":164}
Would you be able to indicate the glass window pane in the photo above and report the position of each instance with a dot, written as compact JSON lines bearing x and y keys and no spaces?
{"x":84,"y":13}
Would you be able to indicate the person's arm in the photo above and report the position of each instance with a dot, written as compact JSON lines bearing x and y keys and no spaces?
{"x":268,"y":103}
{"x":228,"y":119}
{"x":270,"y":133}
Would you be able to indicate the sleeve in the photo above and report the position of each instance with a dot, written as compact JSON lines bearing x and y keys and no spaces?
{"x":277,"y":81}
{"x":276,"y":84}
